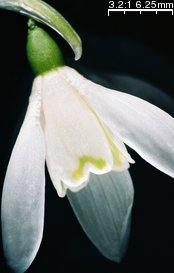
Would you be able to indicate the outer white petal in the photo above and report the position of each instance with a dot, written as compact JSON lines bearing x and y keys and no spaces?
{"x":75,"y":141}
{"x":23,"y":192}
{"x":144,"y":127}
{"x":103,"y":208}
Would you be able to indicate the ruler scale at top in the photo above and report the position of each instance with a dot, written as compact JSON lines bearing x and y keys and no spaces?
{"x":139,"y":6}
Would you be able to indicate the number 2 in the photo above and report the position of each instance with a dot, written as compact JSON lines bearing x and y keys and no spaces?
{"x":120,"y":4}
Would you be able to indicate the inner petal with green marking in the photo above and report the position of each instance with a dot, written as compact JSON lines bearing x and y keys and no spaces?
{"x":77,"y":141}
{"x":120,"y":155}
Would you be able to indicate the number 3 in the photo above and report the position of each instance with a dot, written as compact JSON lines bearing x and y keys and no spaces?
{"x":111,"y":4}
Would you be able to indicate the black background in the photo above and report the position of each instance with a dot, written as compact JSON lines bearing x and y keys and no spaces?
{"x":130,"y":52}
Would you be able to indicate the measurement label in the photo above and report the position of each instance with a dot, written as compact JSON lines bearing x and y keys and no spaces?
{"x":140,"y":6}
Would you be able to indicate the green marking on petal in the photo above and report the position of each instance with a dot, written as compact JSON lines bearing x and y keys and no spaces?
{"x":79,"y":172}
{"x":115,"y":151}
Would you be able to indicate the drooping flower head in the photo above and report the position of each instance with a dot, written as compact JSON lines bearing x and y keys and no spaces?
{"x":62,"y":128}
{"x":80,"y":129}
{"x":77,"y":141}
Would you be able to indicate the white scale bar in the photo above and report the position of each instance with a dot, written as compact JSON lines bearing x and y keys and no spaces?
{"x":140,"y":10}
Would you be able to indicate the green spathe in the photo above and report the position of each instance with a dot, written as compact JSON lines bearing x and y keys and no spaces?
{"x":46,"y":14}
{"x":42,"y":51}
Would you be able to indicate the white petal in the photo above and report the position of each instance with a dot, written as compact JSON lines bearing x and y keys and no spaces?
{"x":144,"y":127}
{"x":75,"y":141}
{"x":103,"y":209}
{"x":23,"y":192}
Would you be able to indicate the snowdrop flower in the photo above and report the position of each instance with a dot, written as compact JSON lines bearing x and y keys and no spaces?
{"x":63,"y":129}
{"x":80,"y":129}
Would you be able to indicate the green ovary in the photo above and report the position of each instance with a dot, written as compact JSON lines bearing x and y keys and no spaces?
{"x":79,"y":172}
